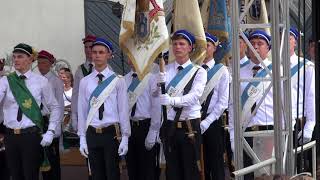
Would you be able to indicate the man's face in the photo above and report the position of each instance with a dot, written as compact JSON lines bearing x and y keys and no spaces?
{"x":44,"y":66}
{"x":261,"y":46}
{"x":88,"y":49}
{"x":181,"y":49}
{"x":100,"y":55}
{"x":243,"y":47}
{"x":22,"y":62}
{"x":211,"y":49}
{"x":292,"y":43}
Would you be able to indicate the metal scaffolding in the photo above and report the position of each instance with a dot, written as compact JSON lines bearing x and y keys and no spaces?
{"x":282,"y":158}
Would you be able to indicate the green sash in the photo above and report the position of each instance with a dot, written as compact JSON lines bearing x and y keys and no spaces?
{"x":25,"y":100}
{"x":29,"y":107}
{"x":85,"y":72}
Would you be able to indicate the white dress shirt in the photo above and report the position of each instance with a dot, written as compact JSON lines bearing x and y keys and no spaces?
{"x":190,"y":102}
{"x":147,"y":105}
{"x":75,"y":92}
{"x":309,"y":111}
{"x":41,"y":90}
{"x":243,"y":60}
{"x":220,"y":97}
{"x":57,"y":86}
{"x":67,"y":97}
{"x":115,"y":105}
{"x":264,"y":114}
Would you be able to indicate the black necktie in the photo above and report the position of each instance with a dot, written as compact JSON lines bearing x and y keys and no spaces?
{"x":101,"y":108}
{"x":255,"y":70}
{"x":90,"y":68}
{"x":133,"y":110}
{"x":179,"y":68}
{"x":205,"y":66}
{"x":19,"y":115}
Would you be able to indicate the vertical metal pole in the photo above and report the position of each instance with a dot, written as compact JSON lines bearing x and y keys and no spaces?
{"x":289,"y":168}
{"x":277,"y":116}
{"x":316,"y":38}
{"x":236,"y":86}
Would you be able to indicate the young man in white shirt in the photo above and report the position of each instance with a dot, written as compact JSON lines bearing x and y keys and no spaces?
{"x":45,"y":62}
{"x":185,"y":83}
{"x":103,"y":114}
{"x":215,"y":102}
{"x":22,"y":92}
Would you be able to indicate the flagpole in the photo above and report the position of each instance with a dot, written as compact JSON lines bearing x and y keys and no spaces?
{"x":162,"y":65}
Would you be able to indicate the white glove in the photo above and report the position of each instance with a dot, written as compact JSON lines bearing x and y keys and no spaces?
{"x":303,"y":140}
{"x":123,"y":147}
{"x":47,"y":139}
{"x":166,"y":100}
{"x":161,"y":77}
{"x":83,"y":146}
{"x":150,"y":139}
{"x":204,"y":125}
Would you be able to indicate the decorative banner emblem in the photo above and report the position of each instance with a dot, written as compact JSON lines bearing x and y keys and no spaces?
{"x":132,"y":96}
{"x":94,"y":101}
{"x":27,"y":103}
{"x":255,"y":10}
{"x":253,"y":91}
{"x":172,"y":91}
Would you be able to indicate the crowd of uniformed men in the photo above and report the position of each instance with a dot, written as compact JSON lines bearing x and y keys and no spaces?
{"x":119,"y":117}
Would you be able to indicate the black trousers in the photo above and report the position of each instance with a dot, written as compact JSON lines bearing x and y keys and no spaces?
{"x":213,"y":150}
{"x":4,"y":172}
{"x":53,"y":155}
{"x":103,"y":154}
{"x":181,"y":152}
{"x":140,"y":161}
{"x":24,"y":155}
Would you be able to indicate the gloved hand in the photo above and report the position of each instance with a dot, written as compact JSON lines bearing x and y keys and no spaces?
{"x":304,"y":139}
{"x":47,"y":139}
{"x":161,"y":77}
{"x":123,"y":147}
{"x":204,"y":125}
{"x":166,"y":100}
{"x":83,"y":146}
{"x":150,"y":139}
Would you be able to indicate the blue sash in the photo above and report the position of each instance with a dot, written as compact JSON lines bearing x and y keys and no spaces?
{"x":179,"y":76}
{"x":134,"y":84}
{"x":97,"y":91}
{"x":244,"y":95}
{"x":245,"y":63}
{"x":213,"y":71}
{"x":295,"y":68}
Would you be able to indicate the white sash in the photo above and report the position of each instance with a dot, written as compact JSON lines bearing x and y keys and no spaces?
{"x":95,"y":103}
{"x":174,"y":91}
{"x":212,"y":84}
{"x":133,"y":95}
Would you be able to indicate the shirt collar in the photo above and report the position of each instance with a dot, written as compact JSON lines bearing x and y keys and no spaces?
{"x":294,"y":59}
{"x":266,"y":62}
{"x":106,"y":72}
{"x":48,"y":75}
{"x":243,"y":60}
{"x":27,"y":74}
{"x":210,"y":63}
{"x":176,"y":65}
{"x":86,"y":64}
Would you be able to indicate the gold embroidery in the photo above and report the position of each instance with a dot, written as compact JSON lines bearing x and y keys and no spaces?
{"x":27,"y":103}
